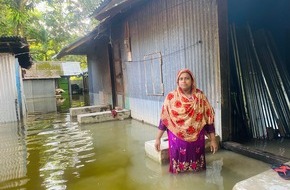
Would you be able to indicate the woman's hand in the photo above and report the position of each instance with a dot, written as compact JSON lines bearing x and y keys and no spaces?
{"x":213,"y":145}
{"x":158,"y":141}
{"x":157,"y":144}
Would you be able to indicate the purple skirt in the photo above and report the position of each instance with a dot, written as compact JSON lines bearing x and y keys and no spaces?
{"x":187,"y":156}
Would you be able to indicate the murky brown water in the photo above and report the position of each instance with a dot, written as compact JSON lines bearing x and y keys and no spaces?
{"x":51,"y":152}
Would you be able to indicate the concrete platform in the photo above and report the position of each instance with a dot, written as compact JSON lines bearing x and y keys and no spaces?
{"x":88,"y":109}
{"x":103,"y":116}
{"x":268,"y":180}
{"x":163,"y":157}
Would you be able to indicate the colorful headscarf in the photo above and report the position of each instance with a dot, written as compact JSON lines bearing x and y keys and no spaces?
{"x":186,"y":117}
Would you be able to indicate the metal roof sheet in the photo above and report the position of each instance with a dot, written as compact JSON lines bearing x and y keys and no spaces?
{"x":52,"y":69}
{"x":17,"y":46}
{"x":79,"y":47}
{"x":71,"y":68}
{"x":113,"y":7}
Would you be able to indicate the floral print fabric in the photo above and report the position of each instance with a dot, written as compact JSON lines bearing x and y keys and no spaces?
{"x":187,"y":156}
{"x":185,"y":117}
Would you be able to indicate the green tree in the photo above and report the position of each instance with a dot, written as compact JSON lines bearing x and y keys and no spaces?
{"x":48,"y":25}
{"x":62,"y":22}
{"x":15,"y":16}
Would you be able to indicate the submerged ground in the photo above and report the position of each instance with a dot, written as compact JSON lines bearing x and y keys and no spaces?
{"x":52,"y":151}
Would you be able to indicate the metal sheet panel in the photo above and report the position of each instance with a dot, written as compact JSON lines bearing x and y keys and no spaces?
{"x":186,"y":34}
{"x":71,"y":68}
{"x":100,"y":87}
{"x":8,"y":89}
{"x":113,"y":7}
{"x":147,"y":111}
{"x":40,"y":95}
{"x":44,"y":88}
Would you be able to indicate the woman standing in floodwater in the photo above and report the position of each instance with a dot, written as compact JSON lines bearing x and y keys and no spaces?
{"x":188,"y":117}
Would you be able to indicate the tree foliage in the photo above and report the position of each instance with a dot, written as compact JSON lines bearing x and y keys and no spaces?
{"x":48,"y":25}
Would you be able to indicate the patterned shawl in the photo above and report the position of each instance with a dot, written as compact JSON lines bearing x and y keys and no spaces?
{"x":185,"y":117}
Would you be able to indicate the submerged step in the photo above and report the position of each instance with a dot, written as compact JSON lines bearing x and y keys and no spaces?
{"x":88,"y":109}
{"x":162,"y":156}
{"x":104,"y":116}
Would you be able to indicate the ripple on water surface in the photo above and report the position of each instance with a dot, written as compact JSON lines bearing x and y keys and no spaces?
{"x":52,"y":152}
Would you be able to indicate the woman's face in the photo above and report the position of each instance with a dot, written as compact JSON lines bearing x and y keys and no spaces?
{"x":185,"y":82}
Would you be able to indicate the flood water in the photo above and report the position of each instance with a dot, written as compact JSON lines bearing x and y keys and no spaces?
{"x":53,"y":152}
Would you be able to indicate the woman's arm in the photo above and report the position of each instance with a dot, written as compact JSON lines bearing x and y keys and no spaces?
{"x":161,"y":129}
{"x":211,"y":131}
{"x":213,"y":143}
{"x":157,"y":140}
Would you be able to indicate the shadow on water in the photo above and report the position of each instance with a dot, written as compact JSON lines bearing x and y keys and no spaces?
{"x":52,"y":152}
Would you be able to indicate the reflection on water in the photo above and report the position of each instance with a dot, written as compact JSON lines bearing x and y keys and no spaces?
{"x":66,"y":146}
{"x":41,"y":105}
{"x":13,"y":155}
{"x":51,"y":147}
{"x":52,"y":152}
{"x":70,"y":101}
{"x":59,"y":104}
{"x":213,"y":173}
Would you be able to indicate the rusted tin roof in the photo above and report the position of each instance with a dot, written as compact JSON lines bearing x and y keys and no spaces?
{"x":43,"y":70}
{"x":17,"y":46}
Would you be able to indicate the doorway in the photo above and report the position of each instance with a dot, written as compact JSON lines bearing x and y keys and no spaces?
{"x":259,"y":70}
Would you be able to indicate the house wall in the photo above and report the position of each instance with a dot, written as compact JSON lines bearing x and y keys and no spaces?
{"x":9,"y":100}
{"x":100,"y":89}
{"x":179,"y":34}
{"x":40,"y":88}
{"x":40,"y":95}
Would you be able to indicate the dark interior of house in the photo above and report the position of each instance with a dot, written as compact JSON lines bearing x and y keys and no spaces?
{"x":259,"y":45}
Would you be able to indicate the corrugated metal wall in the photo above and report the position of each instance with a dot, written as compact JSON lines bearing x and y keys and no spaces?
{"x":185,"y":32}
{"x":9,"y":108}
{"x":40,"y":88}
{"x":100,"y":89}
{"x":40,"y":95}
